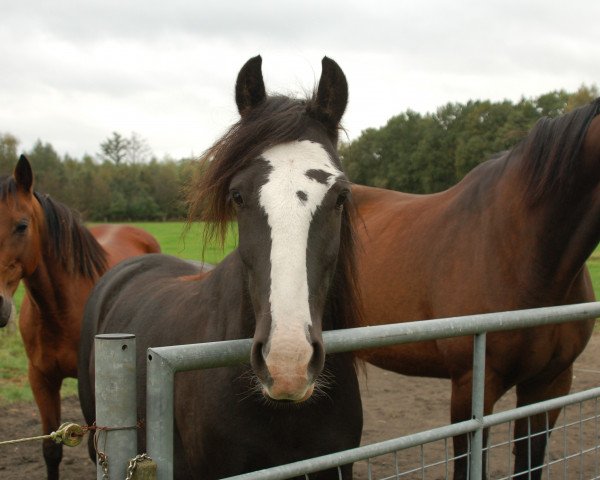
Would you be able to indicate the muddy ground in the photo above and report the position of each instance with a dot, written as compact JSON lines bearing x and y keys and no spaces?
{"x":394,"y":405}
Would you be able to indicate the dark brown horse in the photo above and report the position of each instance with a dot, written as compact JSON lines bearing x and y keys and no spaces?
{"x":44,"y":243}
{"x":277,"y":171}
{"x":514,"y":234}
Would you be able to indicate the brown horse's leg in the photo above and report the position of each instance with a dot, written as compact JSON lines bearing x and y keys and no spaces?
{"x":537,"y":424}
{"x":47,"y":396}
{"x":461,"y":411}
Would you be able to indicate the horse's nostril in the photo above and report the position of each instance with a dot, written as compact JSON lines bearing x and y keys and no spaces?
{"x":257,"y":357}
{"x":317,"y":361}
{"x":257,"y":350}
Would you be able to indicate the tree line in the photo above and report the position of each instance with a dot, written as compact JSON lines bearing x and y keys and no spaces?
{"x":428,"y":153}
{"x":413,"y":152}
{"x":123,"y":183}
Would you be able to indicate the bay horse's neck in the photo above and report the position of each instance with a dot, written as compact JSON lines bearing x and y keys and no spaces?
{"x":58,"y":285}
{"x":50,"y":288}
{"x":549,"y":239}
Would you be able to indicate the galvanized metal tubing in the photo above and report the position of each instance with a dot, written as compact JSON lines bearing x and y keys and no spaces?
{"x":116,"y":412}
{"x":164,"y":362}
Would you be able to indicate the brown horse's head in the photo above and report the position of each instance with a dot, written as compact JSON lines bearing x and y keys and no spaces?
{"x":277,"y":171}
{"x":36,"y":229}
{"x":19,"y":233}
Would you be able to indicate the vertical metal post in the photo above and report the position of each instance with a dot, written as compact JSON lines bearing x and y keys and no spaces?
{"x":116,"y":401}
{"x":477,"y":396}
{"x":160,"y":388}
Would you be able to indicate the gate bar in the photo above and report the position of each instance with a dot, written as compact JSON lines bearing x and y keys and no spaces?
{"x":169,"y":360}
{"x":477,"y":405}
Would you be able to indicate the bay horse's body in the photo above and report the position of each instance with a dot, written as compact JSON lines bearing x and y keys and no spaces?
{"x":59,"y":260}
{"x":278,"y":172}
{"x":514,"y":234}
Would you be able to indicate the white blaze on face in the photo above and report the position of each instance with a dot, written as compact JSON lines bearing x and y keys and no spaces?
{"x":289,"y":199}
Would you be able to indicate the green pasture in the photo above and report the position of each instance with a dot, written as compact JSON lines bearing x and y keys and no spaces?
{"x":13,"y":363}
{"x":176,"y":240}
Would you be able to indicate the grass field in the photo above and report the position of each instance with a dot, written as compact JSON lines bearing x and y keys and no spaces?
{"x":174,"y":240}
{"x":13,"y":363}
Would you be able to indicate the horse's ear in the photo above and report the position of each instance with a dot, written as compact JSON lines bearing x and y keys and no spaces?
{"x":332,"y":95}
{"x":250,"y":87}
{"x":23,"y":174}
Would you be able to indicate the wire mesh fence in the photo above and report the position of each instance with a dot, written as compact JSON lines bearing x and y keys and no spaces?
{"x":573,"y":449}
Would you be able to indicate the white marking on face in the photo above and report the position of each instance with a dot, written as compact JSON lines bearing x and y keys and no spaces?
{"x":289,"y":215}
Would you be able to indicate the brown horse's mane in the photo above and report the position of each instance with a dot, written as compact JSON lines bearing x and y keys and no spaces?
{"x":552,"y":149}
{"x":69,"y":240}
{"x":278,"y":119}
{"x":344,"y":305}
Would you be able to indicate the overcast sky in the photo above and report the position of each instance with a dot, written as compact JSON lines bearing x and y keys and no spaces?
{"x":73,"y":72}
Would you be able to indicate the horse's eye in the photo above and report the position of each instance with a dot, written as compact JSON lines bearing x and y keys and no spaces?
{"x":21,"y":228}
{"x":341,"y":199}
{"x":236,"y":196}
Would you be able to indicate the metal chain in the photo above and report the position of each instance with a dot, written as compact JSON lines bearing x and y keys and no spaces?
{"x":103,"y":458}
{"x":133,"y":464}
{"x":104,"y":464}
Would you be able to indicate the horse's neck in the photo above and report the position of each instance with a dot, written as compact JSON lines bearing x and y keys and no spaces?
{"x":585,"y":204}
{"x":570,"y":210}
{"x":49,"y":287}
{"x":554,"y":235}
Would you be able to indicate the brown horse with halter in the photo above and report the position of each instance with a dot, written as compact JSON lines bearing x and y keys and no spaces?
{"x":513,"y":234}
{"x":59,"y":260}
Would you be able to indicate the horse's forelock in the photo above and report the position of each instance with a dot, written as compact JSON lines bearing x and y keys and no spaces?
{"x":277,"y":120}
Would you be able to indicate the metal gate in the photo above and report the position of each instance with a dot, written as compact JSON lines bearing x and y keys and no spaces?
{"x":164,"y":362}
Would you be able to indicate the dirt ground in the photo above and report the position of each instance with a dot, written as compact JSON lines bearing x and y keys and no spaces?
{"x":394,"y":406}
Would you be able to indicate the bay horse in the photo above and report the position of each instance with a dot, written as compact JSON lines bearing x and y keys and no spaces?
{"x":44,"y":243}
{"x":277,"y":171}
{"x":513,"y":234}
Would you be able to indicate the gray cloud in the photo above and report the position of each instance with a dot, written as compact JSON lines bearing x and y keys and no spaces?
{"x":166,"y":70}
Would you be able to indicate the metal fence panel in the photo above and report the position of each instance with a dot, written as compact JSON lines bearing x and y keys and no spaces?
{"x":164,"y":362}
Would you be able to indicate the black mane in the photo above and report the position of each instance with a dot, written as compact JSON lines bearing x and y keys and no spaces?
{"x":70,"y":241}
{"x":552,"y":149}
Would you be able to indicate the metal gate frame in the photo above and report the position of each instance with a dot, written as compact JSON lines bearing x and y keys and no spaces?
{"x":164,"y":362}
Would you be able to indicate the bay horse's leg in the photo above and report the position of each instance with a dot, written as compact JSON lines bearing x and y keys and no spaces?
{"x":535,"y":425}
{"x":461,"y":411}
{"x":47,"y":396}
